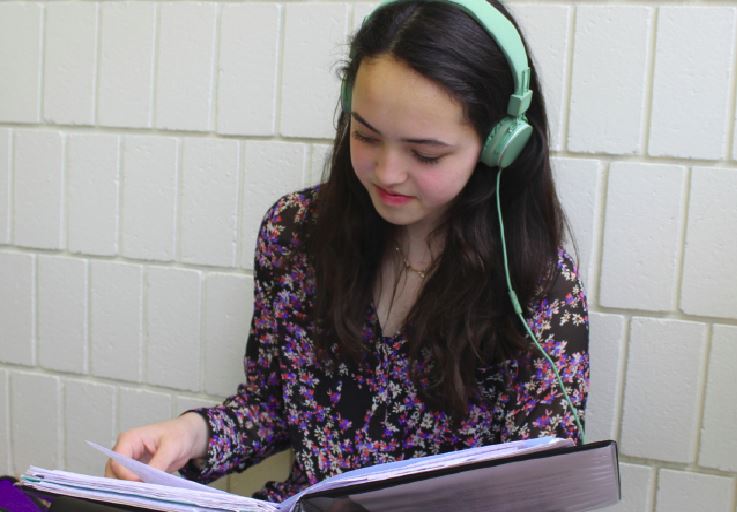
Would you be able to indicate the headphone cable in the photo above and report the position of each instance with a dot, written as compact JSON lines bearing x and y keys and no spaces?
{"x":518,"y":310}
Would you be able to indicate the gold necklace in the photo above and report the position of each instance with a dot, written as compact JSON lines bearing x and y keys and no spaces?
{"x":407,"y":266}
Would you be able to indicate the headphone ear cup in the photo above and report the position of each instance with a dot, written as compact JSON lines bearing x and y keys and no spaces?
{"x":505,"y":142}
{"x":346,"y":91}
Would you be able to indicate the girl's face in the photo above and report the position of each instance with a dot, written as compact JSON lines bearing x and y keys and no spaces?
{"x":411,"y":146}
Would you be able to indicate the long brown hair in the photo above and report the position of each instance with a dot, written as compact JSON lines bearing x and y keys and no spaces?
{"x":463,"y":317}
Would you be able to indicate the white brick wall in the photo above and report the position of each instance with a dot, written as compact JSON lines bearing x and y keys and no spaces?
{"x":227,"y":321}
{"x":62,"y":314}
{"x":183,"y":403}
{"x":150,"y":187}
{"x":693,"y":62}
{"x":89,"y":416}
{"x":718,"y":445}
{"x":173,"y":327}
{"x":209,"y":202}
{"x":664,"y":368}
{"x":127,"y":45}
{"x":710,"y":271}
{"x":70,"y":55}
{"x":35,"y":431}
{"x":637,"y":485}
{"x":681,"y":491}
{"x":38,"y":189}
{"x":184,"y":72}
{"x":20,"y":55}
{"x":116,"y":320}
{"x":606,"y":346}
{"x":607,"y":106}
{"x":247,"y":80}
{"x":642,"y":236}
{"x":17,"y":309}
{"x":314,"y":42}
{"x":142,"y":141}
{"x":93,"y":189}
{"x":139,"y":407}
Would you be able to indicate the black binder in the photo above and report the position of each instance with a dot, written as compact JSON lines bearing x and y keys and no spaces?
{"x":573,"y":479}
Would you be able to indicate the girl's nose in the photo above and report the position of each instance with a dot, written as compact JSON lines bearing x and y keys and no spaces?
{"x":390,"y":168}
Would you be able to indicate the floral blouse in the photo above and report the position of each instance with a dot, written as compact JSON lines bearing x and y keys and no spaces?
{"x":353,"y":415}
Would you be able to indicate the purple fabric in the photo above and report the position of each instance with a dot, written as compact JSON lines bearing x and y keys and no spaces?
{"x":14,"y":499}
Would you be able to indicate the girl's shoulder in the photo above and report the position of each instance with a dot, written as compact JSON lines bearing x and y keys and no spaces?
{"x":566,"y":268}
{"x":565,"y":287}
{"x":284,"y":230}
{"x":293,"y":208}
{"x":288,"y":217}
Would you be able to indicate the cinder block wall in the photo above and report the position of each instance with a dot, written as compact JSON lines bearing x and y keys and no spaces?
{"x":140,"y":143}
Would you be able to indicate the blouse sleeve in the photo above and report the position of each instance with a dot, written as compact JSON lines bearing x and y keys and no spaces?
{"x":537,"y":406}
{"x":250,"y":426}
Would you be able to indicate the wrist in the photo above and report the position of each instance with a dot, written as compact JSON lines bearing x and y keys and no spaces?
{"x":198,"y":431}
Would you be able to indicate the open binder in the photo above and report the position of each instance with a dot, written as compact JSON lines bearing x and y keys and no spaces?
{"x":545,"y":474}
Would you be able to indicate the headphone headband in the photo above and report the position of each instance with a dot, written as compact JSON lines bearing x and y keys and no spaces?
{"x":506,"y":36}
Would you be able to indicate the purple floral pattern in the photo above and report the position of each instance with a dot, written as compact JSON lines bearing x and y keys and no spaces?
{"x":346,"y":416}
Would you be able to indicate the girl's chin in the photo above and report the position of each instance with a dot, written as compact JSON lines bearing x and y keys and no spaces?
{"x":397,"y":216}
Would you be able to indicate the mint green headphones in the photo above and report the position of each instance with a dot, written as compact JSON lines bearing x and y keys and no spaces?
{"x":510,"y":135}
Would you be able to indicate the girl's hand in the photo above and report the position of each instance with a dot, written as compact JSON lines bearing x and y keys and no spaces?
{"x":166,"y":446}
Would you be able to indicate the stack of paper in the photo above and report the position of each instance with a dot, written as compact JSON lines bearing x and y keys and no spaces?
{"x":420,"y":465}
{"x":146,"y":495}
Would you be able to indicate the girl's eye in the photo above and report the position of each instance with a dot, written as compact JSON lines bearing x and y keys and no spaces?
{"x":364,"y":138}
{"x":420,"y":157}
{"x":426,"y":159}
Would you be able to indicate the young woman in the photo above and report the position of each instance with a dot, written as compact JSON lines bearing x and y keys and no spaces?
{"x":382,"y":326}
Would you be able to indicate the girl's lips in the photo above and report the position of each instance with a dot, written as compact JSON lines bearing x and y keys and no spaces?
{"x":392,"y":198}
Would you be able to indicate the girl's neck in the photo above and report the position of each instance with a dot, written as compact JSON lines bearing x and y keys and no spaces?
{"x":418,"y":247}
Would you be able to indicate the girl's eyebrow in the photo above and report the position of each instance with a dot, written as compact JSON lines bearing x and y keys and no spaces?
{"x":429,"y":142}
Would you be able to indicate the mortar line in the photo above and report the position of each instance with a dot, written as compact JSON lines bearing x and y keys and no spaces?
{"x":215,"y":69}
{"x":568,"y":84}
{"x":34,"y":310}
{"x":152,"y":117}
{"x":603,"y":201}
{"x":42,"y":65}
{"x":649,"y":82}
{"x":6,"y":422}
{"x":203,"y":332}
{"x":62,"y":427}
{"x":86,"y":319}
{"x":98,"y":63}
{"x":732,"y":100}
{"x":176,"y":242}
{"x":622,"y":377}
{"x":701,"y":383}
{"x":11,"y":187}
{"x":239,"y":215}
{"x":280,"y":50}
{"x":680,"y":269}
{"x":144,"y":341}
